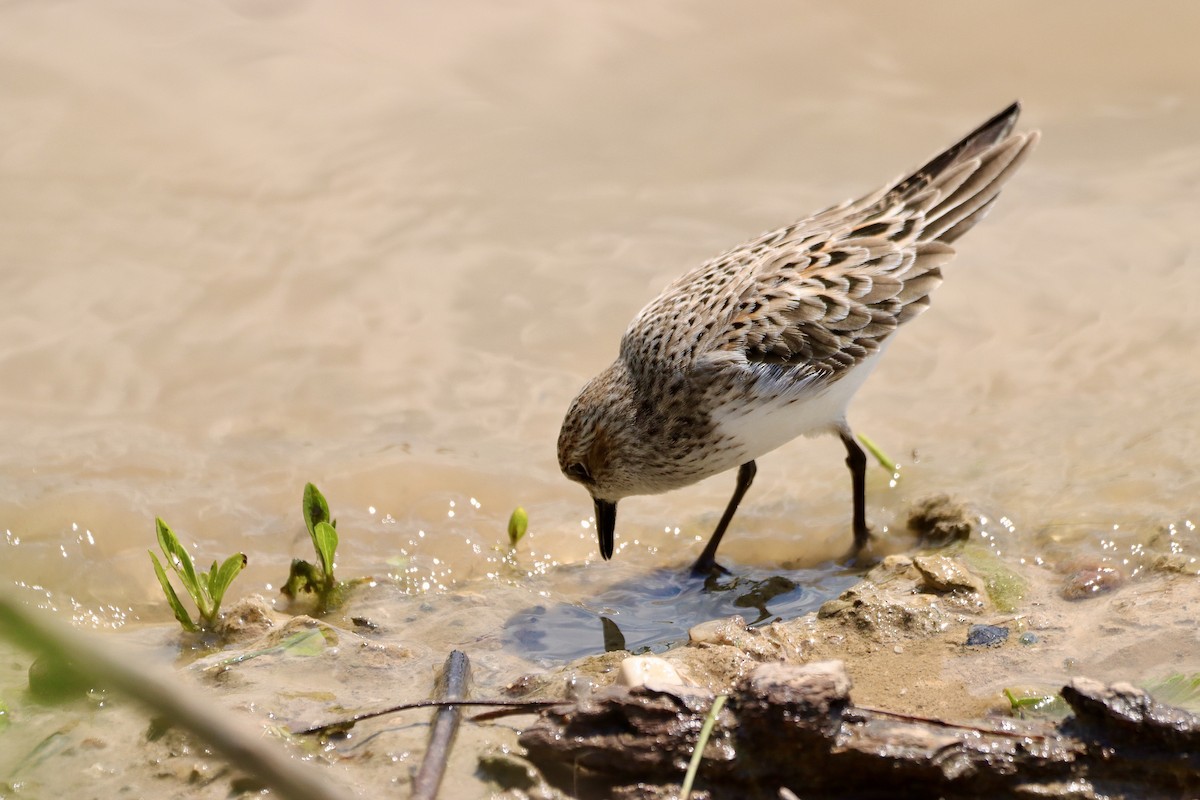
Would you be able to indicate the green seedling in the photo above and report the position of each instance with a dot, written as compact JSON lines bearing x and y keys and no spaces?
{"x":322,"y":529}
{"x":880,"y":456}
{"x":205,"y":588}
{"x":689,"y":778}
{"x":518,"y":524}
{"x":1035,"y":703}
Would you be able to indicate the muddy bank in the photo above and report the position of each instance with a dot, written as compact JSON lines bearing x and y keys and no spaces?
{"x":939,"y":634}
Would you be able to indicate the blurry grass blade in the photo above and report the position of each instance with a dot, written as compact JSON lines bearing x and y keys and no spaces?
{"x":316,"y":510}
{"x":45,"y":750}
{"x":305,"y":643}
{"x":326,"y":539}
{"x":238,"y":742}
{"x":1177,"y":690}
{"x":177,"y":608}
{"x":518,"y":523}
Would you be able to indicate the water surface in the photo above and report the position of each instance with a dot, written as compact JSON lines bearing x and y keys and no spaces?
{"x":248,"y":245}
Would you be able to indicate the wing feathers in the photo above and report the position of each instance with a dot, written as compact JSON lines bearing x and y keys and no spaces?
{"x":819,"y":296}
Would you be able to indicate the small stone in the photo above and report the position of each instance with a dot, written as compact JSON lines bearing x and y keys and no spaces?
{"x":1028,"y":638}
{"x":649,"y":671}
{"x":1177,"y":563}
{"x":986,"y":635}
{"x":718,"y":631}
{"x":1091,"y":582}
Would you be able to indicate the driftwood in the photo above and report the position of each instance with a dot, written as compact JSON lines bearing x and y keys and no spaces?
{"x":453,"y":684}
{"x":794,"y":727}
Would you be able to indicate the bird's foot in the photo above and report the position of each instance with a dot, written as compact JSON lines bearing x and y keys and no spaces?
{"x":862,"y":554}
{"x":708,"y":567}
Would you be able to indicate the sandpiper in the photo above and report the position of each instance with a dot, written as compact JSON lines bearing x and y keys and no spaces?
{"x":771,"y":340}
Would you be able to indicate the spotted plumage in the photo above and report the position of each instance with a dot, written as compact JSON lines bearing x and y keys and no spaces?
{"x":770,"y":340}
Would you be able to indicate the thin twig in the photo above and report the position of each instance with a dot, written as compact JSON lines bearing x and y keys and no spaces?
{"x":453,"y":685}
{"x":348,"y":722}
{"x":941,"y":723}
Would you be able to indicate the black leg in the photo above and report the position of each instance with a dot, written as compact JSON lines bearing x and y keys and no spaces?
{"x":856,"y":460}
{"x":707,"y":562}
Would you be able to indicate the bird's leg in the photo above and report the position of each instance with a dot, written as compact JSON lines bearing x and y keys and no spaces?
{"x":707,"y":562}
{"x":856,"y":460}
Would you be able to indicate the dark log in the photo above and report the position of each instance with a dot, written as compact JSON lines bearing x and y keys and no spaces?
{"x":794,"y":727}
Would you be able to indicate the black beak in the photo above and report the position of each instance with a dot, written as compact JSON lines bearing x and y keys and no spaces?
{"x":606,"y":523}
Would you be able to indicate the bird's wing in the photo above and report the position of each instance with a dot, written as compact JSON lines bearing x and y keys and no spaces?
{"x":818,"y":297}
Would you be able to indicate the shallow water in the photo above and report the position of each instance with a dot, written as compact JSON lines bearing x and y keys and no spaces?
{"x":247,"y":245}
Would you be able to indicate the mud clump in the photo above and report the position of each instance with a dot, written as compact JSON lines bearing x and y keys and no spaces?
{"x":939,"y":520}
{"x":941,"y":575}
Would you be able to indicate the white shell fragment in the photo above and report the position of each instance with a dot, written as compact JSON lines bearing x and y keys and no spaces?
{"x":650,"y":671}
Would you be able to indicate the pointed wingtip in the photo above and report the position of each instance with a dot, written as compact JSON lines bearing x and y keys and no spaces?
{"x":996,"y":129}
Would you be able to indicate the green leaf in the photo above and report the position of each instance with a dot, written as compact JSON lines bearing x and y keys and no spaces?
{"x":181,"y":561}
{"x":326,"y":538}
{"x":224,"y":576}
{"x":177,"y":608}
{"x":311,"y":642}
{"x":1036,"y":703}
{"x":315,"y":509}
{"x":302,"y":577}
{"x":518,"y":524}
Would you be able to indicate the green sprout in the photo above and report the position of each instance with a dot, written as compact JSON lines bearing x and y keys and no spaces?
{"x":518,"y":523}
{"x":1036,"y":703}
{"x":689,"y":778}
{"x":205,"y":588}
{"x":880,"y":456}
{"x":318,"y":578}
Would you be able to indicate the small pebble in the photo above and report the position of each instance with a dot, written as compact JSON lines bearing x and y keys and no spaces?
{"x":1091,"y":582}
{"x":1028,"y":638}
{"x":650,"y":671}
{"x":986,"y":635}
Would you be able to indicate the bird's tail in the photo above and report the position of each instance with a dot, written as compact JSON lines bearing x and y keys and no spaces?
{"x":957,"y":187}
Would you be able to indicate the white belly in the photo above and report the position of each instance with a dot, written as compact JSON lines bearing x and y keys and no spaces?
{"x":758,"y":426}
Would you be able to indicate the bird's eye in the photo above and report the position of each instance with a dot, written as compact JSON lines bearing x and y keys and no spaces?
{"x":579,"y":472}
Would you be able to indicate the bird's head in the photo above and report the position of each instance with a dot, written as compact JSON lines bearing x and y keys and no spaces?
{"x":599,"y":447}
